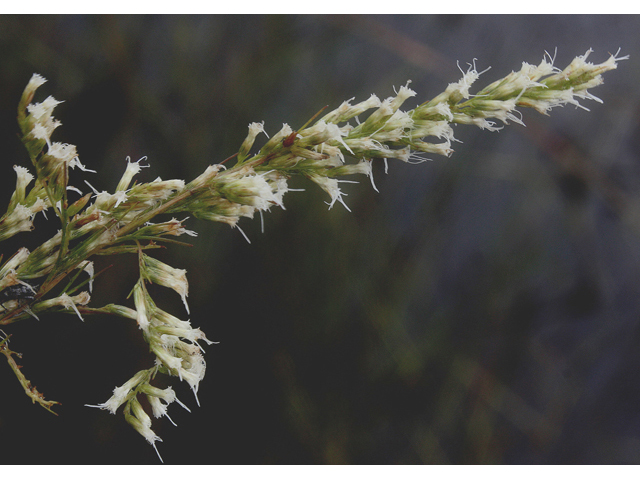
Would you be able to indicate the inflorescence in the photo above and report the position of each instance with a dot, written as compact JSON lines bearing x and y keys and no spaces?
{"x":103,"y":223}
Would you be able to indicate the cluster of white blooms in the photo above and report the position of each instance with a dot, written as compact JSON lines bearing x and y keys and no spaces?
{"x":174,"y":342}
{"x":112,"y":223}
{"x":126,"y":394}
{"x":22,"y":207}
{"x":319,"y":152}
{"x":225,"y":196}
{"x":38,"y":127}
{"x":322,"y":151}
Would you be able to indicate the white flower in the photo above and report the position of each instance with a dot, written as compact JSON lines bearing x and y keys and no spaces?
{"x":210,"y":172}
{"x":102,"y":199}
{"x":330,"y":185}
{"x":483,"y":123}
{"x":366,"y":144}
{"x":16,"y":260}
{"x":191,"y":334}
{"x":115,"y":401}
{"x":156,"y":396}
{"x":247,"y":188}
{"x":378,"y":118}
{"x":284,"y":132}
{"x":156,"y":190}
{"x":427,"y":112}
{"x":146,"y":432}
{"x":335,"y":134}
{"x":22,"y":181}
{"x":254,"y":130}
{"x":24,"y":177}
{"x":366,"y":167}
{"x":548,"y":99}
{"x":404,"y":93}
{"x":279,"y":187}
{"x":67,"y":302}
{"x":34,"y":83}
{"x":131,"y":170}
{"x":120,"y":196}
{"x":347,"y":111}
{"x":461,"y":87}
{"x":20,"y":220}
{"x":194,"y":374}
{"x":158,"y":408}
{"x":399,"y":120}
{"x":166,"y":358}
{"x":170,"y":320}
{"x":536,"y":72}
{"x":610,"y":64}
{"x":403,"y":154}
{"x":139,"y":299}
{"x":44,"y":130}
{"x":162,"y":274}
{"x":443,"y":148}
{"x":62,"y":151}
{"x":41,"y":112}
{"x":500,"y":109}
{"x":277,"y":139}
{"x":39,"y":205}
{"x":121,"y":393}
{"x":142,"y":423}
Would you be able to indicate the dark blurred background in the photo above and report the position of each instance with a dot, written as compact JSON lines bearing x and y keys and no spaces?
{"x":479,"y":309}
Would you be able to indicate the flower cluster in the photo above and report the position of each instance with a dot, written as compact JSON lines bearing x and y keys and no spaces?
{"x":323,"y":151}
{"x":135,"y":415}
{"x":174,"y":343}
{"x":319,"y":152}
{"x":225,"y":196}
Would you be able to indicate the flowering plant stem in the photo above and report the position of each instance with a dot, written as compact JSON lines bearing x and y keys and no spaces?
{"x":103,"y":223}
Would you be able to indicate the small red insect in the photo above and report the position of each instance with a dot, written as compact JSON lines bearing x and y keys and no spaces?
{"x":288,"y":141}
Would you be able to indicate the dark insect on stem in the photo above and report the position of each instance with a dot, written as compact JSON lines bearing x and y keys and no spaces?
{"x":21,"y":291}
